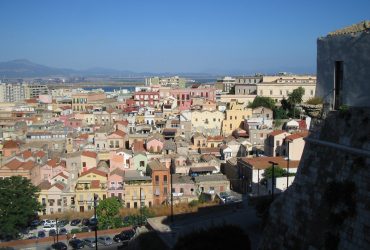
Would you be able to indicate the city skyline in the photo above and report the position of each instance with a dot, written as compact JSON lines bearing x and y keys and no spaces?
{"x":208,"y":37}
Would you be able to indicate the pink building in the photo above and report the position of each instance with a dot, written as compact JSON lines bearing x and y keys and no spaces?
{"x":184,"y":96}
{"x":120,"y":159}
{"x":115,"y":183}
{"x":154,"y":145}
{"x":52,"y":168}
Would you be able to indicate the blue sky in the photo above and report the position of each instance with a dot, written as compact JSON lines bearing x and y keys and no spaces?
{"x":226,"y":37}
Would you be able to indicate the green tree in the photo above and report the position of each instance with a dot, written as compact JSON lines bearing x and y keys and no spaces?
{"x":296,"y":96}
{"x":108,"y":213}
{"x":278,"y":172}
{"x":18,"y":205}
{"x":266,"y":102}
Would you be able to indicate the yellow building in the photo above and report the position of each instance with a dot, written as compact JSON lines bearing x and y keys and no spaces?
{"x":89,"y":183}
{"x":207,"y":122}
{"x":140,"y":119}
{"x":138,"y":189}
{"x":234,"y":117}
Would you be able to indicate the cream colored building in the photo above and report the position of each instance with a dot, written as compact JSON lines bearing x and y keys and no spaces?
{"x":278,"y":87}
{"x":207,"y":122}
{"x":138,"y":190}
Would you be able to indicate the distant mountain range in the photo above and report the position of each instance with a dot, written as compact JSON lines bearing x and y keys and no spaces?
{"x":23,"y":68}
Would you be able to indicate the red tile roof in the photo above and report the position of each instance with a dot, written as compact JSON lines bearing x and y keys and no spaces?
{"x":59,"y":186}
{"x":40,"y":154}
{"x":297,"y":135}
{"x":276,"y":132}
{"x":45,"y":185}
{"x":124,"y":122}
{"x":10,"y":144}
{"x":16,"y":164}
{"x":26,"y":154}
{"x":89,"y":154}
{"x":62,"y":175}
{"x":94,"y":171}
{"x":215,"y":138}
{"x":263,"y":162}
{"x":119,"y":133}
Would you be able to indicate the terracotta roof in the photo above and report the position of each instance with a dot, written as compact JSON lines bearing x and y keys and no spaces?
{"x":26,"y":154}
{"x":215,"y":138}
{"x":10,"y":144}
{"x":276,"y":132}
{"x":94,"y":171}
{"x":40,"y":154}
{"x":95,"y":184}
{"x":263,"y":162}
{"x":296,"y":136}
{"x":89,"y":154}
{"x":59,"y":186}
{"x":32,"y":100}
{"x":203,"y":169}
{"x":119,"y":133}
{"x":62,"y":175}
{"x":83,"y":136}
{"x":45,"y":185}
{"x":16,"y":164}
{"x":117,"y":171}
{"x":124,"y":122}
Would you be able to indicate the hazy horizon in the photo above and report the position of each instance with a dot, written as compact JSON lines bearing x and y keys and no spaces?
{"x":215,"y":37}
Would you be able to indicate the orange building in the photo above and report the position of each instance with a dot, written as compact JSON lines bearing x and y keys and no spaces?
{"x":160,"y":180}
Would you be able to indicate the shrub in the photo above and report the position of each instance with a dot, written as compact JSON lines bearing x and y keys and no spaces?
{"x":193,"y":203}
{"x":315,"y":101}
{"x":75,"y":231}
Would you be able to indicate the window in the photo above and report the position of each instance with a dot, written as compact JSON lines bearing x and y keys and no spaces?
{"x":231,"y":126}
{"x":165,"y":179}
{"x":311,"y":92}
{"x":156,"y":180}
{"x":338,"y":84}
{"x":165,"y":190}
{"x":135,"y":204}
{"x":270,"y":92}
{"x":128,"y":204}
{"x":182,"y":190}
{"x":231,"y":117}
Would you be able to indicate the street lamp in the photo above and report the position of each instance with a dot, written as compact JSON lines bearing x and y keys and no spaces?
{"x":171,"y":171}
{"x":287,"y":174}
{"x":96,"y":221}
{"x":273,"y":178}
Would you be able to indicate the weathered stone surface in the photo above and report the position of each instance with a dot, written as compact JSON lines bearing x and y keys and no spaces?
{"x":328,"y":205}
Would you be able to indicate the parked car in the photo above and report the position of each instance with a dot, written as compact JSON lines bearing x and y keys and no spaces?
{"x":76,"y":243}
{"x":105,"y":240}
{"x":35,"y":223}
{"x":62,"y":223}
{"x":126,"y":235}
{"x":41,"y":234}
{"x":63,"y":231}
{"x":52,"y":232}
{"x":85,"y":221}
{"x":89,"y":242}
{"x":59,"y":246}
{"x":75,"y":222}
{"x":47,"y":228}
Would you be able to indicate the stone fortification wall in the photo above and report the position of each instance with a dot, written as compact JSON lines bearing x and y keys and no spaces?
{"x":328,"y":205}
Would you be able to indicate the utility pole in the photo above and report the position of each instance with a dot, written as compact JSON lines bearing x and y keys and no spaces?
{"x":273,"y":178}
{"x":96,"y":226}
{"x":171,"y":170}
{"x":287,"y":174}
{"x":141,"y":212}
{"x":56,"y":224}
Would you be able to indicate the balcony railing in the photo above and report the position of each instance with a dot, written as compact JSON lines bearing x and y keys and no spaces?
{"x":116,"y":188}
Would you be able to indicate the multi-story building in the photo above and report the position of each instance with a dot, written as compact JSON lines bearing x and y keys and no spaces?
{"x":207,"y":122}
{"x":89,"y":183}
{"x":138,"y":190}
{"x":279,"y":87}
{"x":82,"y":100}
{"x":228,"y":82}
{"x":234,"y":118}
{"x":35,"y":90}
{"x":166,"y":81}
{"x":146,"y":98}
{"x":161,"y":181}
{"x":11,"y":92}
{"x":246,"y":80}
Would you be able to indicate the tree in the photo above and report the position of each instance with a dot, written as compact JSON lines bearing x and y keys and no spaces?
{"x":278,"y":172}
{"x":296,"y":96}
{"x":108,"y":213}
{"x":18,"y":205}
{"x":266,"y":102}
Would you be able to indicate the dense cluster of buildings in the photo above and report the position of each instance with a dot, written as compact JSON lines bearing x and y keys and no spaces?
{"x":74,"y":143}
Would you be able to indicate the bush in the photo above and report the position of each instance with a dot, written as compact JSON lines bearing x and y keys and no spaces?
{"x":75,"y":231}
{"x":193,"y":203}
{"x":315,"y":101}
